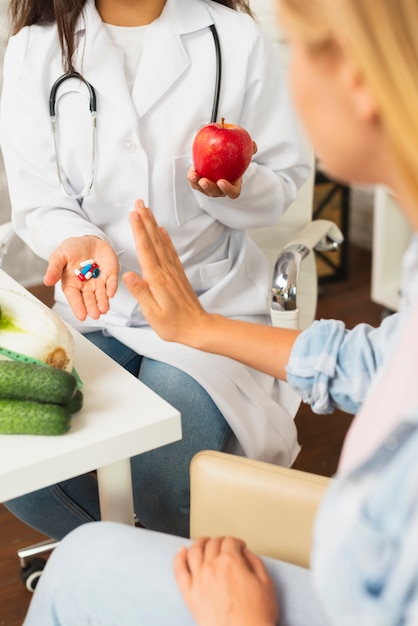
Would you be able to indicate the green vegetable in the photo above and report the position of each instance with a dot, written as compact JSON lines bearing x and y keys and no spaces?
{"x":25,"y":417}
{"x":76,"y":402}
{"x":40,"y":383}
{"x":30,"y":328}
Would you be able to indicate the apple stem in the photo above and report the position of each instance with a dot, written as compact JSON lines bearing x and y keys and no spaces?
{"x":223,"y":122}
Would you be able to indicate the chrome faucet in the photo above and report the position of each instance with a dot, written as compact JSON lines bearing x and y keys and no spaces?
{"x":319,"y":235}
{"x":285,"y":277}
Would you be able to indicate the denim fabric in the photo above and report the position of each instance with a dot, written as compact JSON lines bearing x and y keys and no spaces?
{"x":160,"y":477}
{"x":365,"y":556}
{"x":334,"y":367}
{"x":129,"y":359}
{"x":331,"y":366}
{"x":108,"y":574}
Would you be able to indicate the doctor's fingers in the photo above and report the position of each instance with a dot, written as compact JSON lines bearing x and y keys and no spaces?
{"x":203,"y":185}
{"x":96,"y":302}
{"x":209,"y":188}
{"x":66,"y":258}
{"x":221,"y":189}
{"x":76,"y":302}
{"x":56,"y":266}
{"x":86,"y":302}
{"x":231,"y":190}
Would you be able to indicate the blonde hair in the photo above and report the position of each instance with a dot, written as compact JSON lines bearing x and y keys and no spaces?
{"x":382,"y":38}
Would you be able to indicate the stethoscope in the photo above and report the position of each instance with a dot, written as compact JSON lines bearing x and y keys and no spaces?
{"x":54,"y":98}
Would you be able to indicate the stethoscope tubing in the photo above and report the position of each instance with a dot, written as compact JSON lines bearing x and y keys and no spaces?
{"x":57,"y":85}
{"x":53,"y":98}
{"x":93,"y":111}
{"x":218,"y":77}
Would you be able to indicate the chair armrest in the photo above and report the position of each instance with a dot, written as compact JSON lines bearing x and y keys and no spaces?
{"x":294,"y":283}
{"x":272,"y":508}
{"x":314,"y":234}
{"x":6,"y":235}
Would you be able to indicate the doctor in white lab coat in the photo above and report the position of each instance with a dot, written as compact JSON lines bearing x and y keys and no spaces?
{"x":155,"y":86}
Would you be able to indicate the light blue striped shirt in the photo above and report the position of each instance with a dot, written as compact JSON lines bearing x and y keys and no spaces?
{"x":331,"y":366}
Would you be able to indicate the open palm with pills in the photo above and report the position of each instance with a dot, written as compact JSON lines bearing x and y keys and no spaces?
{"x":86,"y":297}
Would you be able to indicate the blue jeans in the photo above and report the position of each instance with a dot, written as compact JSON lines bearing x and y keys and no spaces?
{"x":108,"y":574}
{"x":160,"y":477}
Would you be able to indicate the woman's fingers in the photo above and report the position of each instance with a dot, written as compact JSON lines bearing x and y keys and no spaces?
{"x":144,"y":243}
{"x":159,"y":261}
{"x":153,"y":243}
{"x":205,"y":550}
{"x":181,"y":570}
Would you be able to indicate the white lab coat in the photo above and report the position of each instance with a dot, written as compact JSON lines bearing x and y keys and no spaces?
{"x":144,"y":151}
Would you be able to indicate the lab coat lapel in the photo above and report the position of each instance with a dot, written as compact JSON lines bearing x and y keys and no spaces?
{"x":164,"y":58}
{"x":163,"y":61}
{"x":102,"y":65}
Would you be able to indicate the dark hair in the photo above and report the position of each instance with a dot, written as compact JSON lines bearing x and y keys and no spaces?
{"x":66,"y":13}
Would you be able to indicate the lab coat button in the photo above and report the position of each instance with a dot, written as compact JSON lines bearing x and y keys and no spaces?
{"x":129,"y":146}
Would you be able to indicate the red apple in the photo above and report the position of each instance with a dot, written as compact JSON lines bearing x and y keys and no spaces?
{"x":222,"y":151}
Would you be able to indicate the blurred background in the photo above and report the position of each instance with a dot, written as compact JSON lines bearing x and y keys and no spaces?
{"x":20,"y":262}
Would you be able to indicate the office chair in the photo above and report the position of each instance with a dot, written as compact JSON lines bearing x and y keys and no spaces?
{"x":269,"y":507}
{"x":6,"y":236}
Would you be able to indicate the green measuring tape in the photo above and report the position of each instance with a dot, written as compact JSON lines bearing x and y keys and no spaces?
{"x":24,"y":358}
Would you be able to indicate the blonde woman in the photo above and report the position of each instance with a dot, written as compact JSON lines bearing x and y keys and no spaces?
{"x":353,"y":77}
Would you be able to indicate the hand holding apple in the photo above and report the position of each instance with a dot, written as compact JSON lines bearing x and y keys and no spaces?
{"x":222,"y":151}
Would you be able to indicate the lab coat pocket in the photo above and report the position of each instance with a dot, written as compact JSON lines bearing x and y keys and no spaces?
{"x":213,"y":273}
{"x":186,"y":205}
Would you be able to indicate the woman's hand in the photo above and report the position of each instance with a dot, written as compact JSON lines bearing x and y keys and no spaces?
{"x":164,"y":293}
{"x":220,"y":189}
{"x":88,"y":297}
{"x":224,"y":584}
{"x":172,"y":308}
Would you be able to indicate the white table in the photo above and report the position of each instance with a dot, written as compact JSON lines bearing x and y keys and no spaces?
{"x":120,"y":418}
